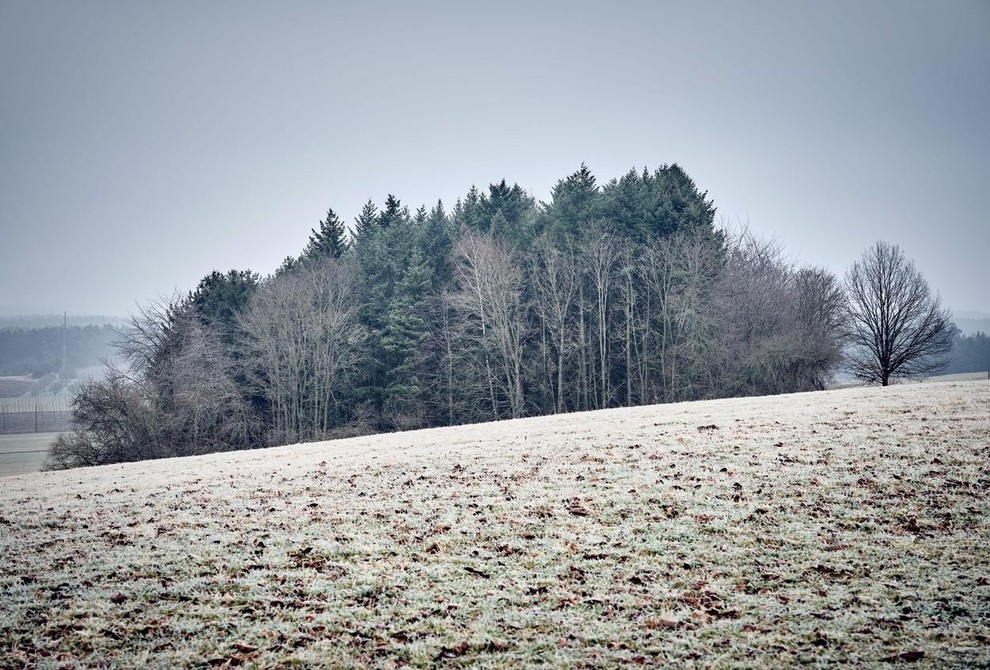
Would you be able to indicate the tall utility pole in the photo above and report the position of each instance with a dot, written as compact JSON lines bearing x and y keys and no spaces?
{"x":65,"y":327}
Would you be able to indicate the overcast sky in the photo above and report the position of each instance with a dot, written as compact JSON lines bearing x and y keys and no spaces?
{"x":144,"y":144}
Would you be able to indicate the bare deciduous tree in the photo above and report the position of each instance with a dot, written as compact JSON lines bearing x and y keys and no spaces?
{"x":556,"y":279}
{"x":304,"y":339}
{"x":602,"y":259}
{"x":491,"y":282}
{"x":897,"y":326}
{"x":114,"y":422}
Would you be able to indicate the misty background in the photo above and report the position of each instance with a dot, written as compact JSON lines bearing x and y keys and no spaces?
{"x":143,"y":145}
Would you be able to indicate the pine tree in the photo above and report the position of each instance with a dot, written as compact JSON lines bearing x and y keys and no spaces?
{"x":518,"y":210}
{"x":366,"y":223}
{"x":393,"y":213}
{"x":656,"y":204}
{"x":404,"y":341}
{"x":220,"y":297}
{"x":469,"y":213}
{"x":435,"y":244}
{"x":575,"y":201}
{"x":330,"y":241}
{"x":500,"y":226}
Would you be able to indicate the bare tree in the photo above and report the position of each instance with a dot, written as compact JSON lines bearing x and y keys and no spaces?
{"x":679,"y":276}
{"x":556,"y":279}
{"x":304,"y":340}
{"x":205,"y":410}
{"x":114,"y":421}
{"x":897,"y":326}
{"x":491,"y":283}
{"x":602,"y":259}
{"x":820,"y":307}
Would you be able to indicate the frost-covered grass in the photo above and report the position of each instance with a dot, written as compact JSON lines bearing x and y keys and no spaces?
{"x":843,"y":527}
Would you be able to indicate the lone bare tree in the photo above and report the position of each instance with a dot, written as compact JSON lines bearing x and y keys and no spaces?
{"x":897,"y":326}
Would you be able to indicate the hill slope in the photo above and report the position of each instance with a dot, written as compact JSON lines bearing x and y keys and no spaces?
{"x":849,"y":525}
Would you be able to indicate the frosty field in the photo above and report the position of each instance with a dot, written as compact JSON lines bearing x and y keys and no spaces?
{"x":841,"y":527}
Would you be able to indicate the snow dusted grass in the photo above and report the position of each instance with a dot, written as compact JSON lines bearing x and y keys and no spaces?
{"x":848,"y":527}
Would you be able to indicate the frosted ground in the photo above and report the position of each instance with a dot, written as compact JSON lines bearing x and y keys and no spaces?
{"x":842,"y":527}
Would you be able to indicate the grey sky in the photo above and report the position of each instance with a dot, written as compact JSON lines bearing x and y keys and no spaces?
{"x":144,"y":144}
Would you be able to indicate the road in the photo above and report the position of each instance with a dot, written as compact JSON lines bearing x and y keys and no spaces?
{"x":21,"y":454}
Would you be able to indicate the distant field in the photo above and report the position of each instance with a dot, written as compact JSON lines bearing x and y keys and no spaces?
{"x":842,"y":528}
{"x":22,"y":454}
{"x":960,"y":376}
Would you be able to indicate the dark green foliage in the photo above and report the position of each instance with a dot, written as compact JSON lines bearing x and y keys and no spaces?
{"x":220,"y":297}
{"x":575,"y":201}
{"x":393,"y":213}
{"x":288,"y":264}
{"x":405,"y":341}
{"x":470,"y":213}
{"x":330,"y":241}
{"x":517,"y":209}
{"x":657,"y":204}
{"x":435,"y":244}
{"x":382,"y":250}
{"x":366,"y":223}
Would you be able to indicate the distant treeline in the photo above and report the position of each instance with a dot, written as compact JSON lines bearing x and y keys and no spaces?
{"x":971,"y":353}
{"x":608,"y":295}
{"x":38,"y":351}
{"x":32,"y":321}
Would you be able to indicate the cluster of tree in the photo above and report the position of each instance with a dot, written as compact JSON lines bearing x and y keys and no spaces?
{"x":970,"y":353}
{"x":606,"y":296}
{"x":39,"y":351}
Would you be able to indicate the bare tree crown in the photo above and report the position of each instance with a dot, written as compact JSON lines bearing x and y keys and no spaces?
{"x":896,"y":326}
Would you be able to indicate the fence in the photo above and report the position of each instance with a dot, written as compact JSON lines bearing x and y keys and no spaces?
{"x":35,"y":414}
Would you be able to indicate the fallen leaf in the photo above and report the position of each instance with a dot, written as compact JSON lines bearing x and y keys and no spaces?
{"x":906,"y":656}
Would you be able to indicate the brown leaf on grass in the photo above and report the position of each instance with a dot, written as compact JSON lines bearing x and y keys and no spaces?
{"x":710,"y":426}
{"x":476,"y":572}
{"x":906,"y":656}
{"x":670,"y":624}
{"x":508,"y":550}
{"x":118,"y":598}
{"x":576,"y":508}
{"x":452,"y":652}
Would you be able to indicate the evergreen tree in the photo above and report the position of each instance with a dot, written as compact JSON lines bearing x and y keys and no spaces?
{"x":330,"y":241}
{"x":366,"y":223}
{"x":644,"y":205}
{"x":405,"y":339}
{"x":435,"y":244}
{"x":220,"y":297}
{"x":499,"y":226}
{"x":382,"y":256}
{"x":575,"y":201}
{"x":393,"y":213}
{"x":518,"y":210}
{"x":287,"y":266}
{"x":469,"y":213}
